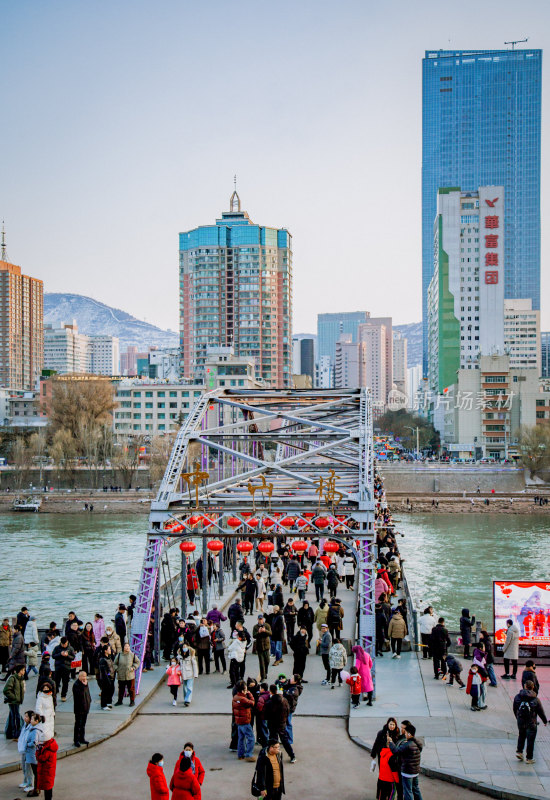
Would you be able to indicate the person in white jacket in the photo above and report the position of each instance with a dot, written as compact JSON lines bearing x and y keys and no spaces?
{"x":44,"y":706}
{"x":426,"y":623}
{"x":260,"y":594}
{"x":236,"y":652}
{"x":349,"y":570}
{"x":31,"y":631}
{"x":189,"y":670}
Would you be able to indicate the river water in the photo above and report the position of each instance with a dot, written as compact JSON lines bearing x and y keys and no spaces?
{"x":54,"y":563}
{"x":452,"y":559}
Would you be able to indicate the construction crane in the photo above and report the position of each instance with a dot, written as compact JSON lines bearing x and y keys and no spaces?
{"x":517,"y":41}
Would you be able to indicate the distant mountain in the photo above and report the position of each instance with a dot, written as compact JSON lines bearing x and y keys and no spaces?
{"x":94,"y":318}
{"x":413,"y":334}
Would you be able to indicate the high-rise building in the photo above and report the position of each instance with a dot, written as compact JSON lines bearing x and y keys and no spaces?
{"x":373,"y":339}
{"x":128,"y":361}
{"x":329,"y":329}
{"x":481,"y":113}
{"x":303,"y":355}
{"x":105,"y":358}
{"x":21,"y":327}
{"x":545,"y":354}
{"x":349,"y":368}
{"x":66,"y":351}
{"x":236,"y":291}
{"x":400,"y":361}
{"x":522,"y":335}
{"x":466,"y":292}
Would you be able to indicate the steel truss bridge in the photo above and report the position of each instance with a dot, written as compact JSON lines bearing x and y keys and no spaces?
{"x":251,"y":465}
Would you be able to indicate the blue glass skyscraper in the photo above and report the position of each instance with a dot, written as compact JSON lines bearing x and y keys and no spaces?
{"x":481,"y":115}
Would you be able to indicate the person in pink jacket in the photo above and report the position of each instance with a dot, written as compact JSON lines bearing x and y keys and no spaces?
{"x":379,"y":588}
{"x":99,"y":628}
{"x":174,"y":679}
{"x":363,"y":662}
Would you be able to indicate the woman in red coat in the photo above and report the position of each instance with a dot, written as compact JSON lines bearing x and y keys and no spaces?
{"x":184,"y":785}
{"x":196,"y":767}
{"x":46,"y":756}
{"x":159,"y":787}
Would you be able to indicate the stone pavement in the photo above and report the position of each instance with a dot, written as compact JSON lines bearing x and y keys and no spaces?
{"x":475,"y":747}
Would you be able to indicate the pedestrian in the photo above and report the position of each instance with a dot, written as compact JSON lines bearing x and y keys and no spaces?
{"x":17,"y":650}
{"x":276,"y":711}
{"x":250,"y":593}
{"x":440,"y":642}
{"x":349,"y":570}
{"x":196,"y":765}
{"x":325,"y":643}
{"x":218,"y":645}
{"x":381,"y":628}
{"x":313,"y":553}
{"x":318,"y":577}
{"x":189,"y":671}
{"x":82,"y":701}
{"x":46,"y":756}
{"x":394,"y":571}
{"x":292,"y":572}
{"x":354,"y":683}
{"x":262,"y":731}
{"x":301,"y":585}
{"x":99,"y":628}
{"x":306,"y":618}
{"x":277,"y":635}
{"x":31,"y":659}
{"x":427,"y":623}
{"x":157,"y":779}
{"x":510,"y":650}
{"x":530,"y":674}
{"x":409,"y":751}
{"x":334,"y":618}
{"x":192,"y":584}
{"x":126,"y":664}
{"x":242,"y":706}
{"x":45,"y":708}
{"x":337,"y":658}
{"x":88,"y":648}
{"x":45,"y":676}
{"x":262,"y":640}
{"x":6,"y":637}
{"x":332,"y":581}
{"x":14,"y":693}
{"x":106,"y":680}
{"x":300,"y":647}
{"x":260,"y":592}
{"x":22,"y":619}
{"x":473,"y":688}
{"x":27,"y":782}
{"x":31,"y":631}
{"x":397,"y":630}
{"x":202,"y":646}
{"x":32,"y":740}
{"x":388,"y":784}
{"x":72,"y":617}
{"x":527,"y":707}
{"x":363,"y":663}
{"x":174,"y":679}
{"x":466,"y":625}
{"x":184,"y":784}
{"x":454,"y":668}
{"x":269,"y":781}
{"x":489,"y":664}
{"x":290,"y":612}
{"x":235,"y":613}
{"x":215,"y":615}
{"x":236,"y":653}
{"x":292,"y":689}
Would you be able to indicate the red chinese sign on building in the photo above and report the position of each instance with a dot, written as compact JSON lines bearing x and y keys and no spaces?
{"x":492,"y":222}
{"x":491,"y":276}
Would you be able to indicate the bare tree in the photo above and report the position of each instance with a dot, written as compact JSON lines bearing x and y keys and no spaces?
{"x":126,"y":459}
{"x":161,"y":447}
{"x":64,"y":453}
{"x":22,"y":461}
{"x":534,"y":446}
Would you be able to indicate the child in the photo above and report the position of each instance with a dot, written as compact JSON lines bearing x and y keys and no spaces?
{"x":46,"y":756}
{"x":21,"y":745}
{"x":32,"y":659}
{"x":354,"y":682}
{"x":301,"y":586}
{"x":455,"y":668}
{"x":174,"y":679}
{"x":31,"y":742}
{"x":473,"y":687}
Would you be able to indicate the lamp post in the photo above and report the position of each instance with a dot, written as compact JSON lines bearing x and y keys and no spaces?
{"x":417,"y":445}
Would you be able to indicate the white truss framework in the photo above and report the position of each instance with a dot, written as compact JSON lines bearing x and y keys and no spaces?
{"x":265,"y":456}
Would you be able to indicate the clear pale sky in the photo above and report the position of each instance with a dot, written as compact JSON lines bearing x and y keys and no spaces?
{"x":124,"y":121}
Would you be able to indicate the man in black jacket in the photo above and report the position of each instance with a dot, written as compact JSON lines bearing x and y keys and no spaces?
{"x":71,"y":618}
{"x":527,"y":707}
{"x":81,"y":706}
{"x":440,"y":643}
{"x":277,"y":635}
{"x":300,"y":647}
{"x":63,"y":656}
{"x":270,"y":779}
{"x":409,"y":750}
{"x":120,"y":623}
{"x":235,"y":613}
{"x":276,"y":711}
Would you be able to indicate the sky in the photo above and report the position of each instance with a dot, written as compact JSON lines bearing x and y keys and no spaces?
{"x":125,"y":121}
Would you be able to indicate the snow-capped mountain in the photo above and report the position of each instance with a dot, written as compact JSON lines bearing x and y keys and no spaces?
{"x":95,"y":318}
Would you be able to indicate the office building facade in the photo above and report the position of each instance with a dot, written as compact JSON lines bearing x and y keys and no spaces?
{"x":545,"y":354}
{"x":236,"y":291}
{"x":481,"y":114}
{"x":21,"y":328}
{"x":522,"y":335}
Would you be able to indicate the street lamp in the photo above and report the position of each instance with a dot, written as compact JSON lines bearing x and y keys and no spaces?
{"x":413,"y":430}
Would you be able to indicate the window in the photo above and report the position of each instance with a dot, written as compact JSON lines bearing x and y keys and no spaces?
{"x":148,"y":394}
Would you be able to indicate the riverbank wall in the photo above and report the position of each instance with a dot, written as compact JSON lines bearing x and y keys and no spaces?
{"x":450,"y":478}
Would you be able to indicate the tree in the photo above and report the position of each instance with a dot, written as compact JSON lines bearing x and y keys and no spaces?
{"x":126,"y":459}
{"x":534,"y":447}
{"x":22,"y":461}
{"x":399,"y":424}
{"x":161,"y":447}
{"x":79,"y":406}
{"x":64,"y":453}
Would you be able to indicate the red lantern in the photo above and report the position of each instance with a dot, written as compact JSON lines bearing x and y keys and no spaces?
{"x":187,"y":547}
{"x":287,"y":522}
{"x":308,"y":514}
{"x":266,"y":547}
{"x":233,"y":522}
{"x":341,"y":517}
{"x":302,"y":523}
{"x":299,"y":546}
{"x":245,"y":547}
{"x":331,"y":547}
{"x":214,"y":545}
{"x":267,"y":522}
{"x":277,"y":515}
{"x":193,"y":520}
{"x":253,"y":523}
{"x":246,"y":514}
{"x":206,"y":523}
{"x":322,"y":522}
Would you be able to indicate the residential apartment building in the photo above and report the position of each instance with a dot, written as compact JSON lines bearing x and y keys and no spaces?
{"x":349,"y":368}
{"x":522,"y":334}
{"x":330,"y":328}
{"x":66,"y":351}
{"x":545,"y":354}
{"x":105,"y":355}
{"x":21,"y":328}
{"x":236,"y":291}
{"x":481,"y":125}
{"x":400,"y":361}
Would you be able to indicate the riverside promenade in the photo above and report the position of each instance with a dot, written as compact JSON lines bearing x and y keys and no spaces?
{"x":477,"y":750}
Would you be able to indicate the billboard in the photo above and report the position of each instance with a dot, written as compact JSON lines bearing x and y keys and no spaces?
{"x":527,"y":603}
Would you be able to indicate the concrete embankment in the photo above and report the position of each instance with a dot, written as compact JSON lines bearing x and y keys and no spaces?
{"x":72,"y":503}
